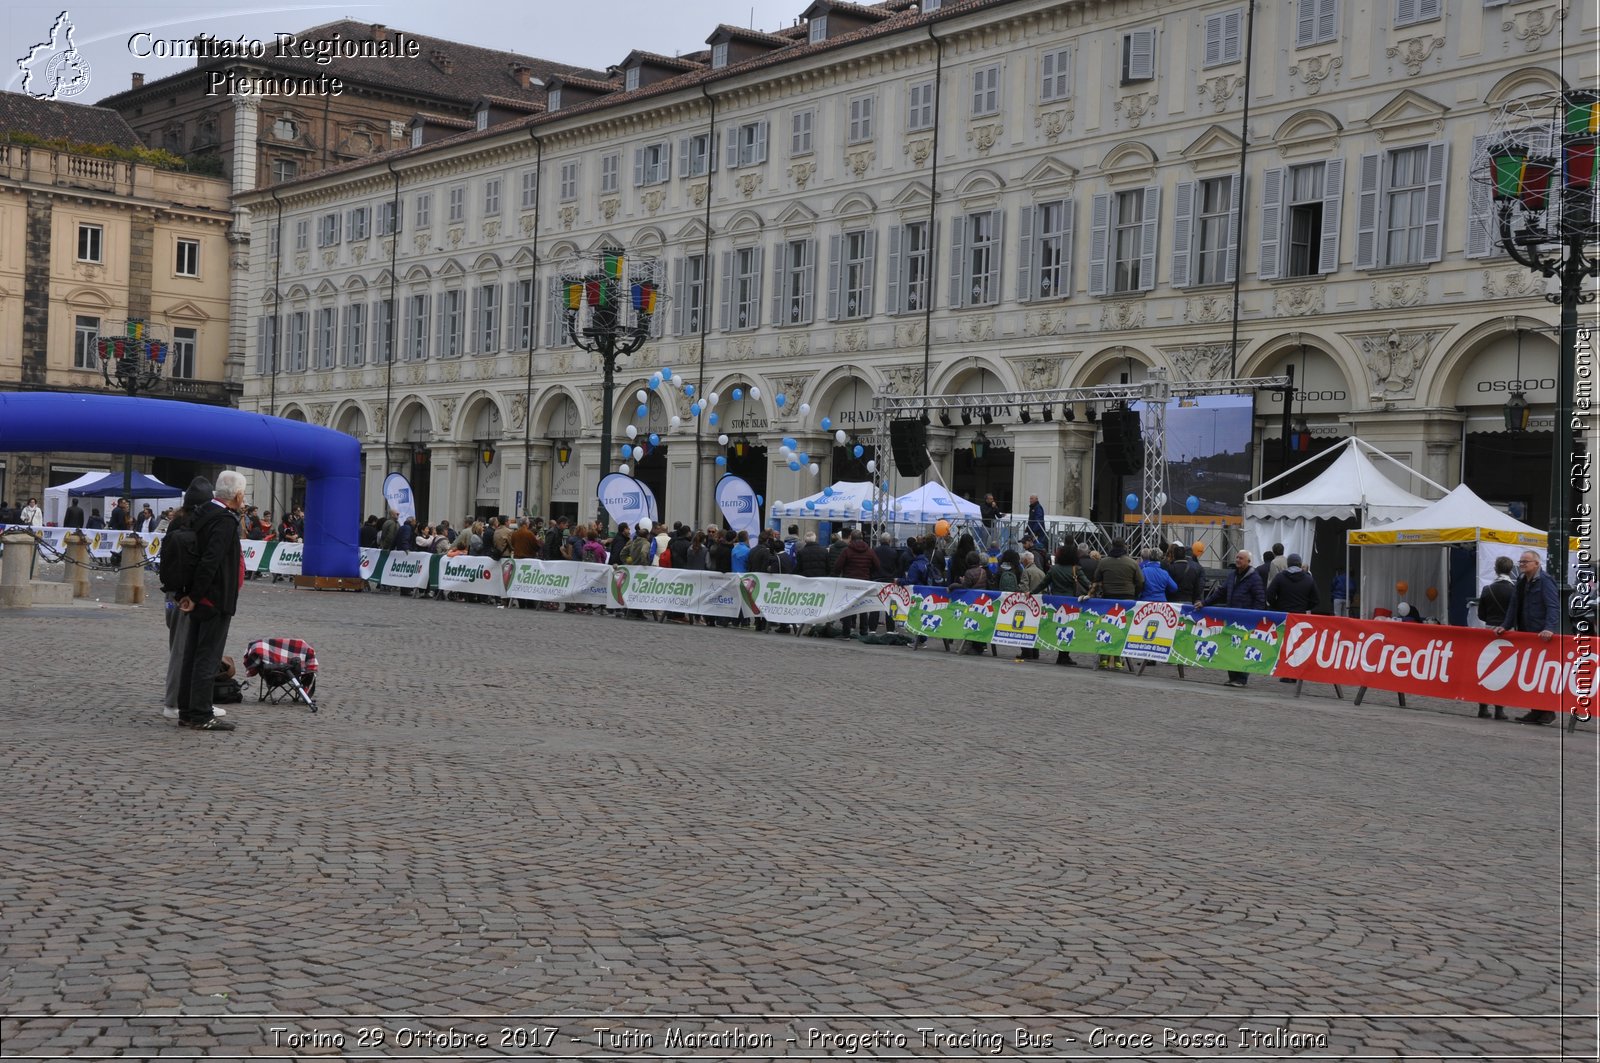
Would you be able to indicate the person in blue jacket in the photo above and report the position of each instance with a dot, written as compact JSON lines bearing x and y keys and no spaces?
{"x":1159,"y":586}
{"x":1535,"y":605}
{"x":1241,"y":589}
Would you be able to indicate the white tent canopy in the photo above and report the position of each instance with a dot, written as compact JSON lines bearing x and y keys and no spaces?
{"x":933,"y":502}
{"x":844,"y":503}
{"x":55,"y":498}
{"x":1352,"y":487}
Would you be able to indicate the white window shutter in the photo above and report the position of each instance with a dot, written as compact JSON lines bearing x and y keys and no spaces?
{"x":835,"y":250}
{"x":959,"y":267}
{"x":711,"y":152}
{"x":477,"y":320}
{"x":683,"y":156}
{"x":1142,"y":54}
{"x":508,"y":315}
{"x":1405,"y":12}
{"x":1480,"y":211}
{"x":1433,"y":206}
{"x":1271,"y":222}
{"x":869,"y":272}
{"x":665,"y":148}
{"x":781,"y":312}
{"x":1327,"y":19}
{"x":733,"y":149}
{"x":761,"y":142}
{"x":638,"y":167}
{"x":1427,"y":9}
{"x":1232,"y":33}
{"x":679,"y":268}
{"x":1047,"y":76}
{"x":896,"y":298}
{"x":1213,"y":39}
{"x":1367,"y":212}
{"x":1069,"y":210}
{"x":1182,"y":232}
{"x":1147,"y":238}
{"x":1027,"y":284}
{"x":1230,"y":267}
{"x":1332,"y":215}
{"x":1305,"y":26}
{"x":755,"y":299}
{"x":997,"y":227}
{"x":727,"y":291}
{"x":1099,"y":242}
{"x":808,"y":282}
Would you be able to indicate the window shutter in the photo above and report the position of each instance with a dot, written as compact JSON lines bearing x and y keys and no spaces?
{"x":1068,"y":257}
{"x":808,"y":282}
{"x":1332,"y":214}
{"x":1147,"y":238}
{"x":1235,"y":205}
{"x":1047,"y":76}
{"x":683,"y":157}
{"x":959,"y":267}
{"x":896,"y":298}
{"x":1327,"y":19}
{"x":438,"y":324}
{"x":711,"y":152}
{"x":477,"y":322}
{"x":1305,"y":27}
{"x":1027,"y":285}
{"x":552,"y":319}
{"x":665,"y":148}
{"x":1433,"y":208}
{"x":1367,"y":212}
{"x":727,"y":291}
{"x":1099,"y":242}
{"x":261,"y":345}
{"x":755,"y":295}
{"x":509,"y":315}
{"x":835,"y":250}
{"x":997,"y":226}
{"x":1232,"y":31}
{"x":869,"y":271}
{"x":1141,"y":57}
{"x":733,"y":149}
{"x":1182,"y":232}
{"x":638,"y":167}
{"x":1480,"y":211}
{"x":1271,"y":222}
{"x":780,"y":289}
{"x":1405,"y":12}
{"x":1213,"y":40}
{"x":1427,"y":9}
{"x":679,"y":269}
{"x":761,"y":142}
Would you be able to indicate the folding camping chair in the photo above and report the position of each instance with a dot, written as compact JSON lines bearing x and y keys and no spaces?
{"x":287,"y":669}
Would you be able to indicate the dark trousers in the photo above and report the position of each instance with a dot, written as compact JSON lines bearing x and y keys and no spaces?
{"x":177,"y":648}
{"x":208,"y":637}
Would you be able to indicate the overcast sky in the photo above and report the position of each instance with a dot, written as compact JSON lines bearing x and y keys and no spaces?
{"x":583,"y":34}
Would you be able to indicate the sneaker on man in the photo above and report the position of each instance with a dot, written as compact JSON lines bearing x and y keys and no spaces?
{"x":172,"y":714}
{"x":213,"y":724}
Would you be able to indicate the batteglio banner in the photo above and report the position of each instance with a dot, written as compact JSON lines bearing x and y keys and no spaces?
{"x":256,"y":552}
{"x":465,"y":574}
{"x":284,"y":558}
{"x":675,"y":591}
{"x":803,"y":600}
{"x":559,"y":581}
{"x":409,"y":568}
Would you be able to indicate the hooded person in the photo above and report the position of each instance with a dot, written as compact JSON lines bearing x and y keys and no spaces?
{"x":1293,"y":590}
{"x":175,"y":575}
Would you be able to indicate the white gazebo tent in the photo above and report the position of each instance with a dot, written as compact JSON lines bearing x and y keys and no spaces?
{"x":845,"y":502}
{"x":933,"y":502}
{"x":1416,"y":550}
{"x":1352,"y":487}
{"x":55,"y":498}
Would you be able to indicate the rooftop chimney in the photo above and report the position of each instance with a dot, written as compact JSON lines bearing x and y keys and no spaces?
{"x":380,"y":32}
{"x":138,"y":80}
{"x":523,"y":74}
{"x":442,"y":61}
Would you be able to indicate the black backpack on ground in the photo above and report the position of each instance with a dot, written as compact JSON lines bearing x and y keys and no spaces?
{"x":180,"y":553}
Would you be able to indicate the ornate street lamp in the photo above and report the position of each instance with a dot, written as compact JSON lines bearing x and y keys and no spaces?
{"x":1541,"y":163}
{"x":618,"y":309}
{"x":133,"y":362}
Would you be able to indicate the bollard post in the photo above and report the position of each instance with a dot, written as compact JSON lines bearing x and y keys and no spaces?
{"x":130,"y":585}
{"x":77,"y":545}
{"x":16,"y":570}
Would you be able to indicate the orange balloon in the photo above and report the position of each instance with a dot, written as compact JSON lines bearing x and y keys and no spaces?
{"x":1433,"y":594}
{"x":1199,"y":549}
{"x":1401,"y":586}
{"x":942,"y":529}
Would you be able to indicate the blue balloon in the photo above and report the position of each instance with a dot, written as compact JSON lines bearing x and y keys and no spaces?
{"x":866,"y":507}
{"x":1132,"y":500}
{"x":760,"y":501}
{"x":805,"y":459}
{"x":1192,"y":504}
{"x":655,"y":439}
{"x":643,"y":410}
{"x":811,"y":505}
{"x":794,"y":466}
{"x":627,"y":449}
{"x":827,"y":492}
{"x":859,"y":450}
{"x":695,"y":409}
{"x":666,"y":372}
{"x":790,"y":442}
{"x":721,"y":460}
{"x":713,"y":418}
{"x":827,"y":423}
{"x":655,"y":380}
{"x":781,"y":400}
{"x":738,"y":393}
{"x":688,"y":390}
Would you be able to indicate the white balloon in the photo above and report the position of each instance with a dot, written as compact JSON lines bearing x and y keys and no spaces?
{"x":1161,"y":499}
{"x":640,"y":395}
{"x":711,"y":399}
{"x":805,"y":408}
{"x":623,"y":468}
{"x":675,"y":420}
{"x":815,"y":468}
{"x":638,"y":453}
{"x":755,"y":393}
{"x":785,"y":451}
{"x":722,"y":441}
{"x":839,"y":437}
{"x":631,"y":431}
{"x":872,"y":466}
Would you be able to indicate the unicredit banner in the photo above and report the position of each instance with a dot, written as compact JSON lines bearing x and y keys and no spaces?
{"x":1468,"y":664}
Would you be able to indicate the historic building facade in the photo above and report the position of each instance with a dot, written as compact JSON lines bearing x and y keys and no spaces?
{"x":88,"y":243}
{"x":967,"y":198}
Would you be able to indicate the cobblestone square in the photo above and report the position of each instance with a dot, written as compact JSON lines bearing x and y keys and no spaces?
{"x":542,"y":824}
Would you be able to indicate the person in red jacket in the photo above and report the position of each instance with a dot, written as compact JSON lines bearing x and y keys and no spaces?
{"x":857,"y":561}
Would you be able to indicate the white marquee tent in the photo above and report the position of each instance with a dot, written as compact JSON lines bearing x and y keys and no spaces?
{"x":933,"y":502}
{"x":842,"y":501}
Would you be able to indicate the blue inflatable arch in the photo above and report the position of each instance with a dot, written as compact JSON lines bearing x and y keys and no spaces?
{"x":115,"y":424}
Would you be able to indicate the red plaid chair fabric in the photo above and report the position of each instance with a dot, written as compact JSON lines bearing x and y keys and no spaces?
{"x":291,"y":655}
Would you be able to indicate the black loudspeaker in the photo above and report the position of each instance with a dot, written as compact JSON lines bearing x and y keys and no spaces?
{"x":908,"y":437}
{"x":1123,"y":442}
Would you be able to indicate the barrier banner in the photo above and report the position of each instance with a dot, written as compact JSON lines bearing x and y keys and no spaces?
{"x":896,"y":601}
{"x":1467,"y":664}
{"x":674,"y":590}
{"x":102,"y":543}
{"x":559,"y":581}
{"x":1091,"y":625}
{"x":371,"y":562}
{"x":953,"y":613}
{"x":285,"y":559}
{"x":1239,"y":640}
{"x":256,"y":552}
{"x":409,"y":568}
{"x":1152,"y":626}
{"x":781,"y":599}
{"x":467,"y":574}
{"x":1016,"y":622}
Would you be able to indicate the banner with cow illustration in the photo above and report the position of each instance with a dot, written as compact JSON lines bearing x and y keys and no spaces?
{"x":1092,"y":625}
{"x":953,"y":613}
{"x":1239,"y":640}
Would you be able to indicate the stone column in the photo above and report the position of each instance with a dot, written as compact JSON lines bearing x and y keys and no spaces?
{"x":536,"y":484}
{"x":1077,"y":468}
{"x":130,"y":581}
{"x":77,"y":551}
{"x":16,"y":570}
{"x":450,"y":484}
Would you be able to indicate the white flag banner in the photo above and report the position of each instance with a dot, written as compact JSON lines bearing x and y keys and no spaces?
{"x":474,"y":575}
{"x":674,"y":590}
{"x":406,"y":568}
{"x":805,"y":600}
{"x":737,"y":500}
{"x":397,"y":493}
{"x":285,"y":560}
{"x":255,"y":554}
{"x":627,"y":501}
{"x":559,"y":581}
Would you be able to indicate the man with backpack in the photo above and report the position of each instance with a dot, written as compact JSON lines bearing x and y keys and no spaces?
{"x":179,"y":552}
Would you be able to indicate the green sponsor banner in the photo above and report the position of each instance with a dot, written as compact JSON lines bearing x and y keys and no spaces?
{"x":1092,"y":626}
{"x":1237,"y":640}
{"x":953,"y":614}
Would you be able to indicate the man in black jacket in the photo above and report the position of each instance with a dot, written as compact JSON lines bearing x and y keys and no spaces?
{"x":74,"y":517}
{"x":812,"y":558}
{"x":212,"y":599}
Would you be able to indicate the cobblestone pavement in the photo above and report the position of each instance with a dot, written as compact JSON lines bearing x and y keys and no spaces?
{"x":587,"y":822}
